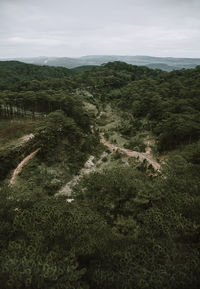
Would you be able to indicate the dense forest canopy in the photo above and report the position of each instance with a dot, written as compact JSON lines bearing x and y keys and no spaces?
{"x":123,"y":225}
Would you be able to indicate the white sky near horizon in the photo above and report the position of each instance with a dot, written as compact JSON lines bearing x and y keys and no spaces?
{"x":30,"y":28}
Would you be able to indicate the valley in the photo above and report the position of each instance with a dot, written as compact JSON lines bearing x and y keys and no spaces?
{"x":99,"y":177}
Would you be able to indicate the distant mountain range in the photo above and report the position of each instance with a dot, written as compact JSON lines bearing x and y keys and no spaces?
{"x":164,"y":63}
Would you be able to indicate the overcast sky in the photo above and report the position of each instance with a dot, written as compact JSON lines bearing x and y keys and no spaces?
{"x":89,"y":27}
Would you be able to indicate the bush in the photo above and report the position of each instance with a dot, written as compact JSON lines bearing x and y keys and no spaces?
{"x":104,"y":159}
{"x":136,"y":144}
{"x":117,"y":155}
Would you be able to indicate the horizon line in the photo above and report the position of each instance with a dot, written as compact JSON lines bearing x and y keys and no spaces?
{"x":95,"y":55}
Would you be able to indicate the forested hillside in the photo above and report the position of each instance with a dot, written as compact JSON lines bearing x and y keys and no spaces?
{"x":99,"y":177}
{"x":15,"y":73}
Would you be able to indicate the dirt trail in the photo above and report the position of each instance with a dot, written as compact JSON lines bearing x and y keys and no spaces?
{"x":26,"y":138}
{"x":21,"y":165}
{"x":140,"y":156}
{"x":91,"y":167}
{"x":87,"y":169}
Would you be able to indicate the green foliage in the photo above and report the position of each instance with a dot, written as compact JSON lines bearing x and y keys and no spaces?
{"x":15,"y":74}
{"x":117,"y":155}
{"x":136,"y":144}
{"x":155,"y":230}
{"x":54,"y":128}
{"x":10,"y":156}
{"x":104,"y":159}
{"x":7,"y":161}
{"x":186,"y":128}
{"x":41,"y":243}
{"x":169,"y":101}
{"x":111,"y":191}
{"x":192,"y":153}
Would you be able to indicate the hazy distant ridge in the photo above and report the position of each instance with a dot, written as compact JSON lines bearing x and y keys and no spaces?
{"x":165,"y":63}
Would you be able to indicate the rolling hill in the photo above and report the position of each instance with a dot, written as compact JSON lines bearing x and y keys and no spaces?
{"x":164,"y":63}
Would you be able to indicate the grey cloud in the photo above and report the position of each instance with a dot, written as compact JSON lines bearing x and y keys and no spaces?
{"x":75,"y":28}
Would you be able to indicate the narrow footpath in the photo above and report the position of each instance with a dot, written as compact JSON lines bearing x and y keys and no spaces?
{"x":21,"y":165}
{"x":140,"y":156}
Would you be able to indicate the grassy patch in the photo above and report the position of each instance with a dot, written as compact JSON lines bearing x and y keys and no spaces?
{"x":136,"y":144}
{"x":10,"y":130}
{"x":117,"y":139}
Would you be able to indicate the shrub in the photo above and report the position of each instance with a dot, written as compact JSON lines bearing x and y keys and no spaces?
{"x":136,"y":144}
{"x":104,"y":159}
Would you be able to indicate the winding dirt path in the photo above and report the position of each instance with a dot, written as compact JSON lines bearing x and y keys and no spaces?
{"x":140,"y":156}
{"x":21,"y":165}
